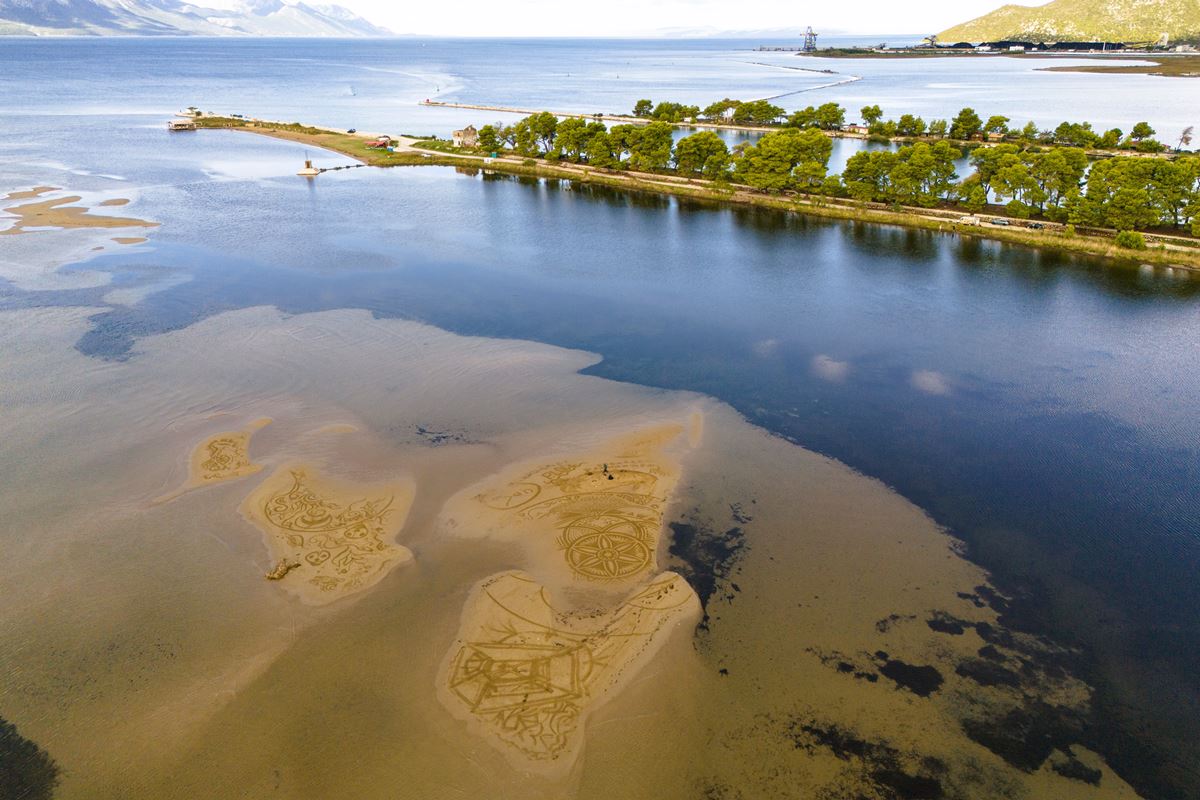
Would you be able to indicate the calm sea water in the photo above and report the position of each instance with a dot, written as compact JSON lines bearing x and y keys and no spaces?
{"x":1042,"y":407}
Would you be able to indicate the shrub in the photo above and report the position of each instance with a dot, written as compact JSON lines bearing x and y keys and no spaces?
{"x":1131,"y":240}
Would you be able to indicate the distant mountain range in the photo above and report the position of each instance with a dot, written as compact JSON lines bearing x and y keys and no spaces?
{"x":1085,"y":21}
{"x":175,"y":18}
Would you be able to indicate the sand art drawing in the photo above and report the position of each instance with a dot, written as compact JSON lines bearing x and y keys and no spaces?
{"x":222,"y":457}
{"x":328,"y":539}
{"x":602,"y":513}
{"x":527,"y":674}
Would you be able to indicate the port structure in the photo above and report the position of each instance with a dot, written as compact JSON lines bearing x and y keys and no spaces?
{"x":810,"y":40}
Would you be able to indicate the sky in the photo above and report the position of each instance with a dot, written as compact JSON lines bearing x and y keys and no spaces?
{"x":676,"y":17}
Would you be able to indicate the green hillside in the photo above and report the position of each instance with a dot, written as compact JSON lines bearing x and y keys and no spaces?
{"x":1085,"y":20}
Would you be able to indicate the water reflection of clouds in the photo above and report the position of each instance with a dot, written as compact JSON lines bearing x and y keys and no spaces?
{"x":930,"y":382}
{"x":765,"y":347}
{"x":829,"y":369}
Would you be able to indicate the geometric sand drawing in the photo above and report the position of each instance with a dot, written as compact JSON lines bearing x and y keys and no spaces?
{"x":525,"y":675}
{"x":602,"y":513}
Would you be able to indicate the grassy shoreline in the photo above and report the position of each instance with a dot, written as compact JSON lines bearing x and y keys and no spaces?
{"x":412,"y":152}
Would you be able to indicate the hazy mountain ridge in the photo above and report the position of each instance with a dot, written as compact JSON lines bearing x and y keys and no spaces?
{"x":175,"y":18}
{"x":1085,"y":20}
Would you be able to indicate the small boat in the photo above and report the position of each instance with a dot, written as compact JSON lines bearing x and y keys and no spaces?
{"x":181,"y":125}
{"x":309,"y":170}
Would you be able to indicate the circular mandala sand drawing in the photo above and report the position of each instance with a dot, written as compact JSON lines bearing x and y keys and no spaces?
{"x":606,"y":547}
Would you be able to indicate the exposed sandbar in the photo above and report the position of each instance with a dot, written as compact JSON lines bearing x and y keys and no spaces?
{"x":340,"y":536}
{"x":57,"y":213}
{"x":222,"y":457}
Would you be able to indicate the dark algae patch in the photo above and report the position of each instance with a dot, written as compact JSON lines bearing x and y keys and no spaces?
{"x":27,"y":772}
{"x":708,"y":561}
{"x":1071,"y":767}
{"x":920,"y":680}
{"x":1026,"y":736}
{"x":987,"y":673}
{"x":889,"y":773}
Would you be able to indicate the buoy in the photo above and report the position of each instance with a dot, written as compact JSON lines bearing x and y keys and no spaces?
{"x":309,"y":170}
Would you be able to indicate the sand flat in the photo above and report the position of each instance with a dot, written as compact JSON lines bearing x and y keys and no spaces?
{"x":188,"y":674}
{"x":222,"y":457}
{"x":594,"y":516}
{"x":328,"y":538}
{"x":58,"y":213}
{"x":525,"y":674}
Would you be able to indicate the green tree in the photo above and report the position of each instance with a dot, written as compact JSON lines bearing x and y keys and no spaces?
{"x":674,"y":112}
{"x":599,"y":151}
{"x":923,"y":174}
{"x":757,"y":112}
{"x":966,"y":125}
{"x":651,"y":149}
{"x":622,"y":139}
{"x":974,"y":196}
{"x":719,"y":109}
{"x":489,"y":139}
{"x":716,"y":166}
{"x":783,"y":159}
{"x":1141,"y":131}
{"x":871,"y":114}
{"x":804,"y":118}
{"x":1075,"y":134}
{"x":642,"y":108}
{"x":1057,"y":173}
{"x":545,"y":128}
{"x":692,"y":153}
{"x":830,"y":116}
{"x":867,"y":175}
{"x":988,"y":161}
{"x":996,"y":124}
{"x":1110,"y":139}
{"x":939,"y":128}
{"x":909,"y":125}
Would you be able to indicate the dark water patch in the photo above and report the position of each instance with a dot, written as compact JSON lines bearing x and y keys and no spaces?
{"x":921,"y":680}
{"x":974,"y":599}
{"x":845,"y":665}
{"x":987,"y":673}
{"x":436,"y":438}
{"x":1026,"y":736}
{"x":1071,"y":767}
{"x":887,"y":623}
{"x":886,"y":771}
{"x":707,"y":560}
{"x":990,"y":652}
{"x":27,"y":772}
{"x":941,"y":622}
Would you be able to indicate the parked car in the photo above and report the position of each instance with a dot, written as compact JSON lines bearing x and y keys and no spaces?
{"x":1000,"y":221}
{"x":1037,"y":226}
{"x":352,"y":130}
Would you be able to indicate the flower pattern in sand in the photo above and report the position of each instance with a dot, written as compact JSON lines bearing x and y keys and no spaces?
{"x":605,"y":515}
